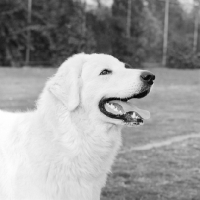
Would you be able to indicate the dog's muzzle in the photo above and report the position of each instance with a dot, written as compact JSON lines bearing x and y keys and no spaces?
{"x":125,"y":110}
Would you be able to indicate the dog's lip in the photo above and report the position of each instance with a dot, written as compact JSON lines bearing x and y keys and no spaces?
{"x":137,"y":96}
{"x":124,"y":117}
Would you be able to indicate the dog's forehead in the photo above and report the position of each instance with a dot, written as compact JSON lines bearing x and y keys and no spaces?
{"x":104,"y":61}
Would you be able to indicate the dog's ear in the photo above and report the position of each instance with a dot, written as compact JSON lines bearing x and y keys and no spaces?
{"x":65,"y":85}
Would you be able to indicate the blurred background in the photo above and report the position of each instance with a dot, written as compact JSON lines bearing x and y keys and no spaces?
{"x":45,"y":32}
{"x":158,"y":161}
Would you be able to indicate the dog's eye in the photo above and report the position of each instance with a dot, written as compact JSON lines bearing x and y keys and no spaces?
{"x":105,"y":72}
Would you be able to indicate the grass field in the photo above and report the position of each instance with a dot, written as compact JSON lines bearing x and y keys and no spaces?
{"x":168,"y":172}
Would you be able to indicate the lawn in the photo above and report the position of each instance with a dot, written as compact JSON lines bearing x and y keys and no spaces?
{"x":169,"y":172}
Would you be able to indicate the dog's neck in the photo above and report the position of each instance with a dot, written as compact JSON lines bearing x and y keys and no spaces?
{"x":81,"y":138}
{"x":72,"y":152}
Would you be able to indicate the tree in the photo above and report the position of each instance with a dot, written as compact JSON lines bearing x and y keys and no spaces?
{"x":58,"y":30}
{"x":151,"y":35}
{"x":128,"y":49}
{"x":64,"y":31}
{"x":12,"y":34}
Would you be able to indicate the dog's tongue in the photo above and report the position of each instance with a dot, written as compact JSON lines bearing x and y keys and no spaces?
{"x":129,"y":106}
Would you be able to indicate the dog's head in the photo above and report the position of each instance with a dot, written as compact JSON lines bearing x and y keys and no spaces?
{"x":103,"y":87}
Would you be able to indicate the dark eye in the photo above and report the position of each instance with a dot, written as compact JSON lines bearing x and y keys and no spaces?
{"x":105,"y":72}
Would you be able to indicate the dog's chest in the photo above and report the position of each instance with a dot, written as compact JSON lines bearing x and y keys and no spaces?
{"x":77,"y":169}
{"x":85,"y":168}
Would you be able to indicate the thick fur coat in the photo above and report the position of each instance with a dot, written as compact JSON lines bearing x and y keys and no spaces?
{"x":64,"y":149}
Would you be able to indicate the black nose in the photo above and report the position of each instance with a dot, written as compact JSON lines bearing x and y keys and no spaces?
{"x":147,"y":77}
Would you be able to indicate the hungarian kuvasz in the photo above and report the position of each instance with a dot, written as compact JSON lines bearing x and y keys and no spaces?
{"x":64,"y":149}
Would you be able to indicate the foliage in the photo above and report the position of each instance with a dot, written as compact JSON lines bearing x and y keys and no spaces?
{"x":128,"y":49}
{"x":183,"y":59}
{"x":12,"y":31}
{"x":152,"y":35}
{"x":180,"y":47}
{"x":61,"y":28}
{"x":180,"y":53}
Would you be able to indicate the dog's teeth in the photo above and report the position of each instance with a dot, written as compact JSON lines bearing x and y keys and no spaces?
{"x":111,"y":106}
{"x":118,"y":110}
{"x":114,"y":108}
{"x":133,"y":115}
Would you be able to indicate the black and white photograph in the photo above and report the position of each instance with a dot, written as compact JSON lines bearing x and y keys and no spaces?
{"x":99,"y":99}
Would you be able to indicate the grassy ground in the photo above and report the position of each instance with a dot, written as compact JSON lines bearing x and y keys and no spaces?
{"x":171,"y":172}
{"x":19,"y":88}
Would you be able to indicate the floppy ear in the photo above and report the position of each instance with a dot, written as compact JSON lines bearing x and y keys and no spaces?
{"x":65,"y":84}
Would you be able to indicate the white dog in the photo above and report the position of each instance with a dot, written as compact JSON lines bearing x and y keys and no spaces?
{"x":64,"y":149}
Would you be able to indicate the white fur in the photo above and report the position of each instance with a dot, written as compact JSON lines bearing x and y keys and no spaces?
{"x":64,"y":149}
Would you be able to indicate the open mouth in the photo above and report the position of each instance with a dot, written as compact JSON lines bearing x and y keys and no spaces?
{"x":123,"y":109}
